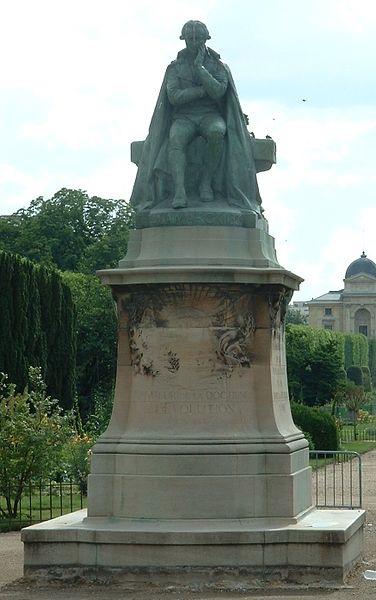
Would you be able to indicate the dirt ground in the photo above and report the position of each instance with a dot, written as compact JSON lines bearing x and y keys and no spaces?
{"x":13,"y":588}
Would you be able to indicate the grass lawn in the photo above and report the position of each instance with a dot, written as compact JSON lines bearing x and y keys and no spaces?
{"x":359,"y":447}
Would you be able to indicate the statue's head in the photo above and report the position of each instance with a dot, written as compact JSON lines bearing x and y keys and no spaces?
{"x":194,"y":33}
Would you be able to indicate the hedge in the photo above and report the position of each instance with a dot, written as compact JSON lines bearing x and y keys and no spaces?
{"x":354,"y":373}
{"x":366,"y":374}
{"x":320,"y":425}
{"x":372,"y":359}
{"x":37,"y":323}
{"x":356,"y":350}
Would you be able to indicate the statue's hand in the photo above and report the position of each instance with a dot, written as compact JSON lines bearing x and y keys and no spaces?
{"x":199,"y":60}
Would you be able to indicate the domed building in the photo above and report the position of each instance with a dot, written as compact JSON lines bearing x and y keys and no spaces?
{"x":352,"y":309}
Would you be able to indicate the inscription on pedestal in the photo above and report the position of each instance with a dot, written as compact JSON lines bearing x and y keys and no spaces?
{"x":196,"y":395}
{"x":192,"y":408}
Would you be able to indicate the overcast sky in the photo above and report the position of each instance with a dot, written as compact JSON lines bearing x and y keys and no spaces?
{"x":79,"y":80}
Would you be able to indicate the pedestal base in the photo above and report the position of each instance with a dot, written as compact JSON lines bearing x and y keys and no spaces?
{"x":323,"y":544}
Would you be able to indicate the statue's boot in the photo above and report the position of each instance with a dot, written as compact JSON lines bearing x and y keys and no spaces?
{"x":180,"y":200}
{"x":206,"y":191}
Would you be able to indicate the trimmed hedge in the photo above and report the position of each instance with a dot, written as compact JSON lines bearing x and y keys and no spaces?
{"x":356,"y":350}
{"x":366,"y":374}
{"x":372,"y":359}
{"x":37,"y":326}
{"x":320,"y":425}
{"x":355,"y":374}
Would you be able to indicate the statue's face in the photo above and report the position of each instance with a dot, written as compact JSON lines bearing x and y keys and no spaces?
{"x":194,"y":39}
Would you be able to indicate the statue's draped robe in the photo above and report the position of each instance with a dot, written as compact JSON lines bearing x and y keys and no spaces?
{"x":235,"y":177}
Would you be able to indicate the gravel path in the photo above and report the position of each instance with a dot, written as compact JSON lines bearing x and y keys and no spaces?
{"x":11,"y":558}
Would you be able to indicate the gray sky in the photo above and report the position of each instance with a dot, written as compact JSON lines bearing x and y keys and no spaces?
{"x":79,"y":81}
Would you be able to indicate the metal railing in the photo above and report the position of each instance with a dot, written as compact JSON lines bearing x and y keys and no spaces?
{"x":337,"y":479}
{"x":41,"y":500}
{"x":363,"y":435}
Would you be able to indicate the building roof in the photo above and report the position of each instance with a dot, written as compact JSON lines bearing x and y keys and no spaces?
{"x":361,"y":265}
{"x":332,"y":296}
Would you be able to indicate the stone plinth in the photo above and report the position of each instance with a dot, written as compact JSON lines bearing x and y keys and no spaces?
{"x":322,"y":546}
{"x":201,"y":465}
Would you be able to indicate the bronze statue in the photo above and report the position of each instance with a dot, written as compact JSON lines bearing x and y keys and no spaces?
{"x":198,"y":149}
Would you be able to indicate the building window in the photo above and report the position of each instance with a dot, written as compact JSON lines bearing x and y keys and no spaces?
{"x":327,"y":311}
{"x":328,"y":327}
{"x":363,"y":329}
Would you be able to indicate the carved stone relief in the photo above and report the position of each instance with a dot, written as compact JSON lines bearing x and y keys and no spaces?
{"x":226,"y":314}
{"x":278,"y":303}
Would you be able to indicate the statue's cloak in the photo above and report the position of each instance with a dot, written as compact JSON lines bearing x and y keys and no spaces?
{"x":235,"y":178}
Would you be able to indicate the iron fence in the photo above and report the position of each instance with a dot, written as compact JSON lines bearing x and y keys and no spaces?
{"x":362,"y":435}
{"x":39,"y":501}
{"x":337,"y":479}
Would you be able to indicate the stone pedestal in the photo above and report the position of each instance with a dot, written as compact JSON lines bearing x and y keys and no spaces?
{"x":201,"y":465}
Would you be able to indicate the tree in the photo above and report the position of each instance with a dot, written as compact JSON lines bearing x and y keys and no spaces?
{"x":314,"y":364}
{"x":353,"y":397}
{"x":77,"y":234}
{"x":295,"y":317}
{"x":97,"y":337}
{"x":70,"y":231}
{"x":33,"y":431}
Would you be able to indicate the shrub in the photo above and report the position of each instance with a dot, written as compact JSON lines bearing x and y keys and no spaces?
{"x":309,"y":438}
{"x":33,"y":431}
{"x":314,"y":363}
{"x":77,"y":459}
{"x":364,"y":417}
{"x":320,"y":425}
{"x":355,"y":374}
{"x":366,"y":379}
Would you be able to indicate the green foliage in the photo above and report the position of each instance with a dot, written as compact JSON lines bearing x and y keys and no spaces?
{"x":309,"y":438}
{"x":32,"y":433}
{"x":340,"y":339}
{"x":70,"y":231}
{"x":77,"y":233}
{"x":366,"y":376}
{"x":354,"y":398}
{"x":320,"y":425}
{"x":76,"y":459}
{"x":314,"y":363}
{"x":372,"y":360}
{"x":356,"y":350}
{"x":37,"y":326}
{"x":355,"y":375}
{"x":295,"y":317}
{"x":96,"y":334}
{"x":99,"y":417}
{"x":365,"y":417}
